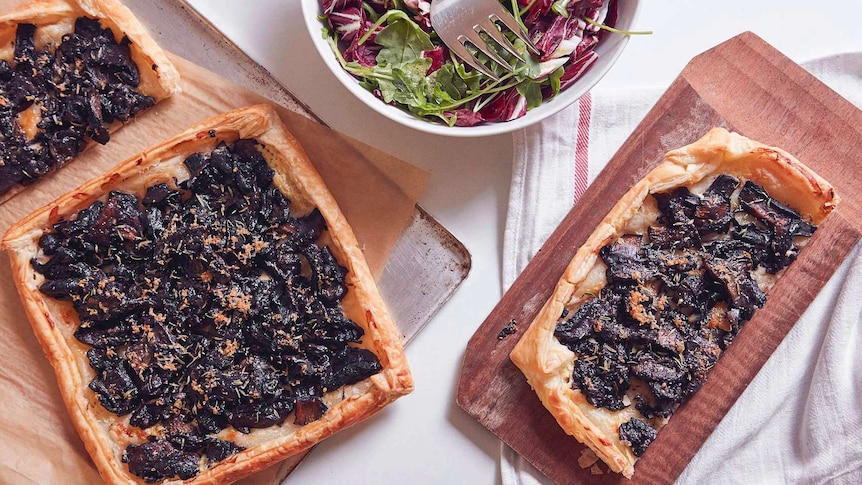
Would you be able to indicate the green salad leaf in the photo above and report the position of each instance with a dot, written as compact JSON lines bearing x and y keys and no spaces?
{"x":403,"y":41}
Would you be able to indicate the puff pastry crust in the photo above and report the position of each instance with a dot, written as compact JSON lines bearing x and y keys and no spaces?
{"x":55,"y":18}
{"x":548,"y":365}
{"x":104,"y":434}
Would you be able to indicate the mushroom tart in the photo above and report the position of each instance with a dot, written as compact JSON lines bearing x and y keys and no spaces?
{"x":206,"y":306}
{"x":663,"y":285}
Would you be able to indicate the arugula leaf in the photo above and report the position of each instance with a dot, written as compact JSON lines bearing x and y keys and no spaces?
{"x":617,"y":31}
{"x":532,"y":92}
{"x":473,"y":79}
{"x":401,"y":68}
{"x":408,"y":84}
{"x":403,"y":41}
{"x":447,"y":85}
{"x":554,"y":80}
{"x":559,"y":7}
{"x":532,"y":69}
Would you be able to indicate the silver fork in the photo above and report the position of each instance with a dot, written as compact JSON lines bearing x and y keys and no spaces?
{"x":459,"y":22}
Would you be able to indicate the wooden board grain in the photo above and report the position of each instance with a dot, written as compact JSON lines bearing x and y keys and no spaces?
{"x":746,"y":86}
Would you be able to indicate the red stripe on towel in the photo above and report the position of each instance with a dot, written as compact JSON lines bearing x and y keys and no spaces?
{"x":582,"y":146}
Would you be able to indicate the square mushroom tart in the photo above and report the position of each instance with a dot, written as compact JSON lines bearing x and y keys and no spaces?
{"x":206,"y":306}
{"x":659,"y":290}
{"x":71,"y":71}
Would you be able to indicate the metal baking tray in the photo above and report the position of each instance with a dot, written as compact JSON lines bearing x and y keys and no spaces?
{"x":426,"y":265}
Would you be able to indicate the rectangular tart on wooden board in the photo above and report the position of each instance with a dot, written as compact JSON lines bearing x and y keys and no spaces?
{"x":661,"y":288}
{"x":206,"y":307}
{"x":748,"y":87}
{"x":73,"y":72}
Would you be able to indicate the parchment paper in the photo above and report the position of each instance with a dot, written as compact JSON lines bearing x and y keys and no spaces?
{"x":376,"y":192}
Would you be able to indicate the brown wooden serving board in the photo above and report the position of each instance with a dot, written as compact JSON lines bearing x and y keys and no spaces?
{"x":747,"y":86}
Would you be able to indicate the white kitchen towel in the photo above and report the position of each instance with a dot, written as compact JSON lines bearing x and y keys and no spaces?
{"x":800,"y":419}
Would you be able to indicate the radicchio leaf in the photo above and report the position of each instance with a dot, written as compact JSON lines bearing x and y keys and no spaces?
{"x":465,"y":117}
{"x":538,"y":8}
{"x":508,"y":106}
{"x":329,"y":6}
{"x":575,"y":69}
{"x":348,"y":23}
{"x":549,"y":37}
{"x":437,"y":56}
{"x":365,"y":54}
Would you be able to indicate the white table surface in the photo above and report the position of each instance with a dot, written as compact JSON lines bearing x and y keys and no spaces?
{"x":425,"y":437}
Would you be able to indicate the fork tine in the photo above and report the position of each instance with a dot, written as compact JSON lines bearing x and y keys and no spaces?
{"x":460,"y":50}
{"x":504,"y":17}
{"x":477,"y":40}
{"x":490,"y":28}
{"x":459,"y":22}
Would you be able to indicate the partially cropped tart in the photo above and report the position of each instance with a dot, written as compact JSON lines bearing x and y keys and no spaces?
{"x":70,"y":73}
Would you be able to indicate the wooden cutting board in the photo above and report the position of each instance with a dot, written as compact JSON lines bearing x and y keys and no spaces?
{"x":747,"y":86}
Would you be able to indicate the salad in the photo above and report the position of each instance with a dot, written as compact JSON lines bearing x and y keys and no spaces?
{"x":390,"y":46}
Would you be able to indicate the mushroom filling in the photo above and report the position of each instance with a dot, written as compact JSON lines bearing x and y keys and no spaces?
{"x":207,"y":307}
{"x":53,"y":100}
{"x":675,"y":298}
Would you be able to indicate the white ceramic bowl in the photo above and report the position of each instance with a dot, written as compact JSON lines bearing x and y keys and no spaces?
{"x":609,"y":50}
